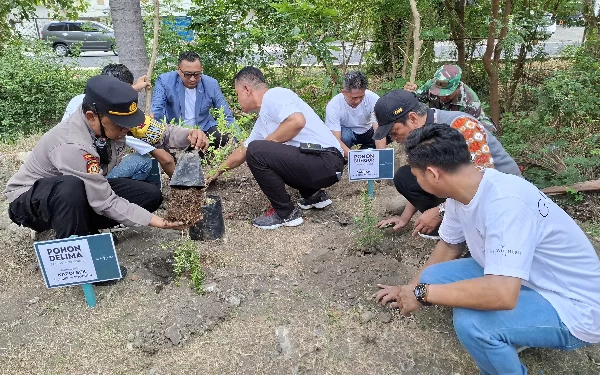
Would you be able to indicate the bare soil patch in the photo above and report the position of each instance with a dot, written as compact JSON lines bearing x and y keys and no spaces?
{"x":292,"y":300}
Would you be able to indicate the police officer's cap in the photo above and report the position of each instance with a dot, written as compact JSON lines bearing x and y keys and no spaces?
{"x":115,"y":99}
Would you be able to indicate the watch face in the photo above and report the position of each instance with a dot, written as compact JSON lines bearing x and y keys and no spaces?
{"x":420,"y":291}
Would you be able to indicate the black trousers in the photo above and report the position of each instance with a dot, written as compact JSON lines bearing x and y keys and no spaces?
{"x":60,"y":203}
{"x":407,"y":185}
{"x":275,"y":165}
{"x":219,"y":140}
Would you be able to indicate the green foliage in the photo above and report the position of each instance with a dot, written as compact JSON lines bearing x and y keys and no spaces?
{"x":593,"y":229}
{"x":16,"y":11}
{"x":367,"y":234}
{"x":575,"y":196}
{"x":240,"y":130}
{"x":560,"y":138}
{"x":170,"y":43}
{"x":186,"y":262}
{"x":398,"y":83}
{"x":231,"y":33}
{"x":35,"y":88}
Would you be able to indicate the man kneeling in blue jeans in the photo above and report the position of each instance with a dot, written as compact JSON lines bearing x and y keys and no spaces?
{"x":533,"y":277}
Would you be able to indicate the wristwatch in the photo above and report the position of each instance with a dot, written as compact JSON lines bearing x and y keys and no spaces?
{"x":442,"y":209}
{"x":421,"y":294}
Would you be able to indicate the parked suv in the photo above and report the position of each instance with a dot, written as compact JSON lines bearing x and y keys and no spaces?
{"x":85,"y":35}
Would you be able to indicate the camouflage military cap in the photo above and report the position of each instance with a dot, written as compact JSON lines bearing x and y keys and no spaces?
{"x":447,"y":79}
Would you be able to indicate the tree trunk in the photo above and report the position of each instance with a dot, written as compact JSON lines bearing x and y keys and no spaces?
{"x":409,"y":37}
{"x":491,"y":57}
{"x":591,"y":33}
{"x":392,"y":49}
{"x":156,"y":25}
{"x":416,"y":39}
{"x":129,"y":37}
{"x":457,"y":28}
{"x":516,"y":77}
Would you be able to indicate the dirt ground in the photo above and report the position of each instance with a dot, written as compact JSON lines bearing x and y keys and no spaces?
{"x":287,"y":301}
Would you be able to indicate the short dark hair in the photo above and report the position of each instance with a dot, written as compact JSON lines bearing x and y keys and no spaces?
{"x":420,"y":109}
{"x":119,"y":71}
{"x":437,"y":145}
{"x":355,"y":80}
{"x":88,"y":105}
{"x":250,"y":74}
{"x":188,"y":56}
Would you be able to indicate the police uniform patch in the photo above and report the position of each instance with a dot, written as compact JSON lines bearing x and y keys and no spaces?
{"x":92,"y":164}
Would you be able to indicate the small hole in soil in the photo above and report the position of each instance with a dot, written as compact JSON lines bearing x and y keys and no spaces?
{"x":161,"y":267}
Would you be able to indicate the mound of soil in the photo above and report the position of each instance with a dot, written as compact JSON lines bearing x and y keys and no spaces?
{"x":185,"y":205}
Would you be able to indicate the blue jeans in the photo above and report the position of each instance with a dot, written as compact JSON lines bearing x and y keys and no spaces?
{"x":491,"y":337}
{"x":134,"y":166}
{"x":350,"y":138}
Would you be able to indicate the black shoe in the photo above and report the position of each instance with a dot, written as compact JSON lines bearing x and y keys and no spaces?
{"x":273,"y":220}
{"x":113,"y":282}
{"x":320,"y":199}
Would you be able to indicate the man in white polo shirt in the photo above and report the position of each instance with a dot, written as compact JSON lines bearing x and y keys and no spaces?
{"x":289,"y":145}
{"x":533,"y":276}
{"x":349,"y":114}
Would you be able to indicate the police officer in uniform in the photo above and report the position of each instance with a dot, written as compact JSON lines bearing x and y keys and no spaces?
{"x":62,"y":184}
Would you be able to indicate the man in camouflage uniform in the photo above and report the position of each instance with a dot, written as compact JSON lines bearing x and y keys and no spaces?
{"x":446,"y":92}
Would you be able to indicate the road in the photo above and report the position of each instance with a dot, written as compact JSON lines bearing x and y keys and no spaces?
{"x":443,"y":50}
{"x":553,"y":46}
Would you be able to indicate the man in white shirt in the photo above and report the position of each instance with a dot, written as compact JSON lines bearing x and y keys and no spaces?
{"x":349,"y":115}
{"x":533,"y":277}
{"x":289,"y":145}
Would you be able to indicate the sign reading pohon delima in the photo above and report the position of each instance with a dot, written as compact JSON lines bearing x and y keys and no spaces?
{"x":78,"y":260}
{"x":371,"y":164}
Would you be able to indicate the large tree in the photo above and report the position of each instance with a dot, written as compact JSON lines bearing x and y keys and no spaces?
{"x":129,"y":37}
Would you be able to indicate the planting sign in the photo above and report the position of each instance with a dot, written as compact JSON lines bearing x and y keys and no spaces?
{"x":78,"y":260}
{"x":371,"y":164}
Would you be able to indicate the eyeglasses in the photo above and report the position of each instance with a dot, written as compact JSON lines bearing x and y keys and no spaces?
{"x":190,"y":75}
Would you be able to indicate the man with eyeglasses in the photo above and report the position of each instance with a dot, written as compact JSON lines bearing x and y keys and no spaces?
{"x":187,"y":95}
{"x":63,"y":186}
{"x":447,"y":92}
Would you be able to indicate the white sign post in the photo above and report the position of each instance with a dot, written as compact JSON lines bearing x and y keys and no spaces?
{"x":67,"y":263}
{"x":363,"y":165}
{"x":78,"y":261}
{"x":370,"y":165}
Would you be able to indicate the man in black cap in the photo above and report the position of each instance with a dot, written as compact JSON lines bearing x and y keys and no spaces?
{"x":398,"y":113}
{"x":62,"y":184}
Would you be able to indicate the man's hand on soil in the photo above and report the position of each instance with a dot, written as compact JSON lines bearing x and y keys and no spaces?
{"x":387,"y":293}
{"x":428,"y":221}
{"x":407,"y":302}
{"x":213,"y":177}
{"x":396,"y":222}
{"x":198,"y":139}
{"x":159,"y":222}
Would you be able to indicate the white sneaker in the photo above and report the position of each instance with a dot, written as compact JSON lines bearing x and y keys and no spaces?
{"x":429,"y":237}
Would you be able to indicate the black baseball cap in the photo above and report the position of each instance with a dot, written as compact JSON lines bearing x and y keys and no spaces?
{"x":390,"y":108}
{"x":115,"y":99}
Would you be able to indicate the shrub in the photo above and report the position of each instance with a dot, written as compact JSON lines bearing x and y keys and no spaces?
{"x":35,"y":88}
{"x":367,"y":235}
{"x":559,"y":140}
